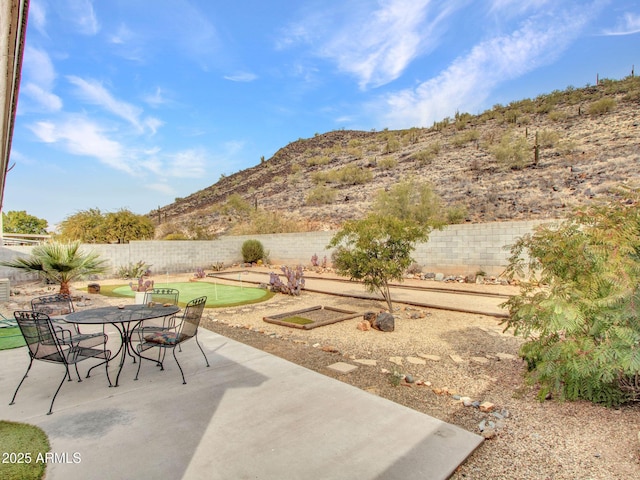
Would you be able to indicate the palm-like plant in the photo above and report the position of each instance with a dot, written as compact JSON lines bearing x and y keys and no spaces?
{"x":60,"y":263}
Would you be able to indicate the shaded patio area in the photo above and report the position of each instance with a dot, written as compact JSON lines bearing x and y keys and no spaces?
{"x":250,"y":415}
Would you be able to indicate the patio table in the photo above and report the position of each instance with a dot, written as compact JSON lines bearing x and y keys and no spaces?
{"x":124,"y":319}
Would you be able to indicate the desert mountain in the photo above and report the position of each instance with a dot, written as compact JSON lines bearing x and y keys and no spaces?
{"x":532,"y":159}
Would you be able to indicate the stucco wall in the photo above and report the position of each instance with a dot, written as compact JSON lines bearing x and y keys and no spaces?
{"x":458,"y":249}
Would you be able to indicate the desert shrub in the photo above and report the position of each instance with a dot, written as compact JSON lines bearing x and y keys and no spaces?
{"x":355,"y":152}
{"x":557,"y":116}
{"x":392,"y":144}
{"x":604,"y":105}
{"x":465,"y":137}
{"x":387,"y":163}
{"x":456,"y":214}
{"x":262,"y":222}
{"x":321,"y":195}
{"x":577,"y":308}
{"x":414,"y":269}
{"x":547,"y":138}
{"x":512,"y":151}
{"x":176,"y":236}
{"x":318,"y":160}
{"x":252,"y":251}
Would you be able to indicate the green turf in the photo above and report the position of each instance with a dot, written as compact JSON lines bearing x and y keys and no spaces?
{"x":10,"y":337}
{"x":297,"y":320}
{"x":23,"y":449}
{"x":217,"y":295}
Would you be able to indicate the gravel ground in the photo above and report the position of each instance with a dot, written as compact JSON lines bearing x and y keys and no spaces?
{"x":449,"y":355}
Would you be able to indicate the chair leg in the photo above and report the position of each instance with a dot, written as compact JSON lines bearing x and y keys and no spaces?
{"x":59,"y":387}
{"x":203,"y":354}
{"x":77,"y":372}
{"x":184,"y":382}
{"x":20,"y":384}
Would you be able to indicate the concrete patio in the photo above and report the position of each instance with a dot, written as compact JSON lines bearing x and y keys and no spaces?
{"x":250,"y":415}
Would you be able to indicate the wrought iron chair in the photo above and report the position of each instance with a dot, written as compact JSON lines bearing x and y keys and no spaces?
{"x":50,"y":343}
{"x":163,"y":296}
{"x":57,"y":304}
{"x":170,"y":338}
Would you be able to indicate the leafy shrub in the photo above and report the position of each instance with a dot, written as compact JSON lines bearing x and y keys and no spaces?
{"x":387,"y":163}
{"x":252,"y":251}
{"x":557,"y":116}
{"x":318,"y":160}
{"x":465,"y":137}
{"x":547,"y":138}
{"x":512,"y":151}
{"x":321,"y":195}
{"x":578,"y":308}
{"x":604,"y":105}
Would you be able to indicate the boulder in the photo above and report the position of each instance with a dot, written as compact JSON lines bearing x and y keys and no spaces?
{"x":385,"y":322}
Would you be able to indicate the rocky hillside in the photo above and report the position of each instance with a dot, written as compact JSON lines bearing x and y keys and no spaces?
{"x":532,"y":159}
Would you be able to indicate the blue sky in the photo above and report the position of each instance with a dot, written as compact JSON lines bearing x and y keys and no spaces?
{"x":132,"y":103}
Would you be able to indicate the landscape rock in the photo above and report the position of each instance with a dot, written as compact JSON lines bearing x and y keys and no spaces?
{"x":364,"y":326}
{"x":384,"y":322}
{"x":416,"y":361}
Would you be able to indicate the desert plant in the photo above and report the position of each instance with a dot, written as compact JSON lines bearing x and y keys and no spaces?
{"x":578,"y":305}
{"x":387,"y":163}
{"x":252,"y":251}
{"x":142,"y":285}
{"x":133,"y":270}
{"x":200,"y":273}
{"x":321,"y":195}
{"x":295,"y":280}
{"x":512,"y":151}
{"x":604,"y":105}
{"x":60,"y":263}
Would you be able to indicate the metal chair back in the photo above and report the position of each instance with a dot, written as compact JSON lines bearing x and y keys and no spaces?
{"x":191,"y":318}
{"x":52,"y":305}
{"x":163,"y":296}
{"x":40,"y":336}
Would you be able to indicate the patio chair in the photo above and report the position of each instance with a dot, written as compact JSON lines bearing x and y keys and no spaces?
{"x":50,"y":343}
{"x":162,"y":296}
{"x":170,"y":338}
{"x":53,"y":305}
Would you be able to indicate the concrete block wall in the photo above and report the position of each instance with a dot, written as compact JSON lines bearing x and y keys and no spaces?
{"x":458,"y":249}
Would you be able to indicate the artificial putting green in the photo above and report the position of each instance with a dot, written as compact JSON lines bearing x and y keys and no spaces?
{"x":11,"y":337}
{"x":217,"y":295}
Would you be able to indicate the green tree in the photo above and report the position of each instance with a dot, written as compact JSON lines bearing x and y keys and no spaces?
{"x":60,"y":263}
{"x":21,"y":222}
{"x":92,"y":226}
{"x":123,"y":226}
{"x":376,"y":250}
{"x":578,"y":308}
{"x":85,"y":226}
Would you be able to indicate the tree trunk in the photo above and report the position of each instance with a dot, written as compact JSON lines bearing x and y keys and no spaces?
{"x":64,"y":288}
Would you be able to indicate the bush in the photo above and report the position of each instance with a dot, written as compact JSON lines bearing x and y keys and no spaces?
{"x":252,"y":251}
{"x":321,"y":195}
{"x":604,"y":105}
{"x":512,"y":151}
{"x":578,"y":308}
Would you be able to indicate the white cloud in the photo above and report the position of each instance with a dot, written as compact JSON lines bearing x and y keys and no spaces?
{"x":469,"y":80}
{"x":82,"y":14}
{"x":161,"y":187}
{"x":38,"y":16}
{"x":627,"y":25}
{"x":186,"y":164}
{"x":375,"y":42}
{"x":46,"y":100}
{"x":241,"y":77}
{"x":80,"y":136}
{"x":156,"y":98}
{"x":38,"y":81}
{"x":95,"y":93}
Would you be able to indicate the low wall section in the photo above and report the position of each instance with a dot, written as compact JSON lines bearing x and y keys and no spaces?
{"x":458,"y":249}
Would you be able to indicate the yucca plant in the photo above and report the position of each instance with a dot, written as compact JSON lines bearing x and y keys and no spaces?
{"x":60,"y":263}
